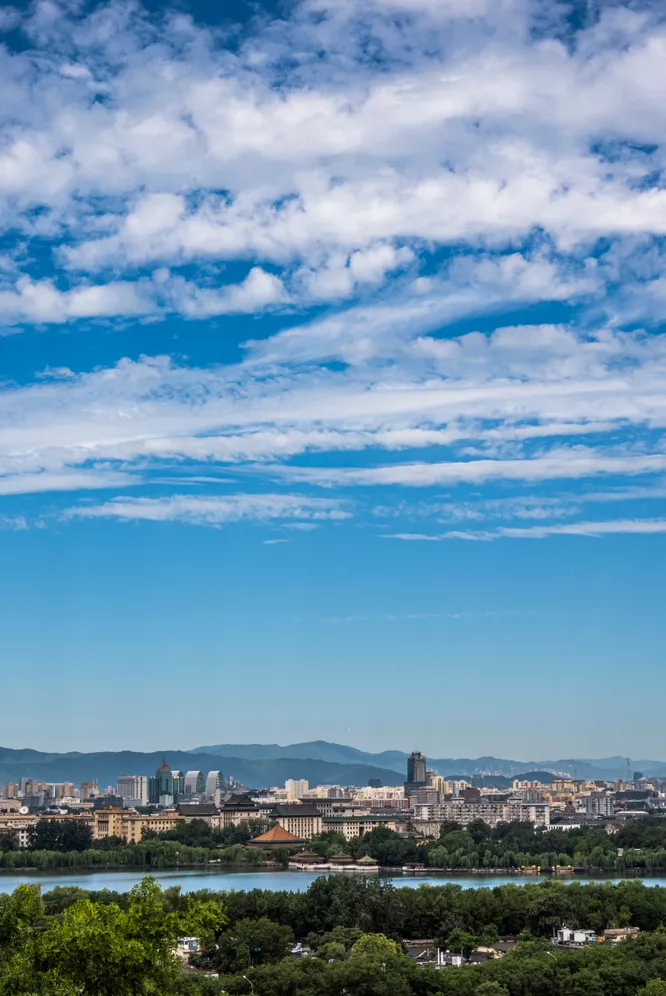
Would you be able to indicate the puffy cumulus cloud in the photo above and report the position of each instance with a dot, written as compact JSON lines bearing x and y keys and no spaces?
{"x":214,"y":510}
{"x":463,"y":286}
{"x":135,"y":140}
{"x":396,"y":166}
{"x":41,"y":302}
{"x":339,"y":274}
{"x":258,"y":291}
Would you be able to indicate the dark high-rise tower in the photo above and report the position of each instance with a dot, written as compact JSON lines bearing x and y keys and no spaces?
{"x":416,"y":769}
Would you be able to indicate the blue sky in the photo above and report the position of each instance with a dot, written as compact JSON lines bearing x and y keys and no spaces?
{"x":333,"y":375}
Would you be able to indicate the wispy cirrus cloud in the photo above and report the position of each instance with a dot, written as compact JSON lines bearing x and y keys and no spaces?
{"x":606,"y":527}
{"x":213,"y":510}
{"x":573,"y":462}
{"x":526,"y":404}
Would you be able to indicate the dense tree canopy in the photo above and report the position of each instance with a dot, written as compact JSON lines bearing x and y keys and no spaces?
{"x":640,"y":846}
{"x":60,"y":835}
{"x":73,"y":943}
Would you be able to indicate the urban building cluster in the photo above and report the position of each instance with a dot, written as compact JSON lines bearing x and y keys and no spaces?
{"x":298,"y":812}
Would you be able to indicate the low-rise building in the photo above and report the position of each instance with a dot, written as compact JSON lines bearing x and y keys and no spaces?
{"x":464,"y":812}
{"x":136,"y":824}
{"x":239,"y":808}
{"x":109,"y":822}
{"x":18,"y":825}
{"x":356,"y":826}
{"x":617,"y":934}
{"x":10,"y":805}
{"x":574,"y":937}
{"x":206,"y":811}
{"x":335,"y":807}
{"x":301,"y":819}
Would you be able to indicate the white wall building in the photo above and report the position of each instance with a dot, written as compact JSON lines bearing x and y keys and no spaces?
{"x":133,"y":789}
{"x":296,"y":788}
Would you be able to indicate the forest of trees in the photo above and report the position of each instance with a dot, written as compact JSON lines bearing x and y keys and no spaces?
{"x":56,"y":844}
{"x":75,"y":943}
{"x":640,"y":846}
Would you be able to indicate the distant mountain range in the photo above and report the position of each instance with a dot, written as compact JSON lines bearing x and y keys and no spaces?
{"x":396,"y":760}
{"x":106,"y":766}
{"x":262,"y":765}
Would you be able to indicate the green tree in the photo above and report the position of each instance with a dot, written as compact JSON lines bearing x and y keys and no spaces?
{"x":376,"y":967}
{"x":491,"y":989}
{"x":103,"y":950}
{"x":8,"y":842}
{"x":60,"y":835}
{"x":377,"y":947}
{"x":253,"y":942}
{"x":655,"y":987}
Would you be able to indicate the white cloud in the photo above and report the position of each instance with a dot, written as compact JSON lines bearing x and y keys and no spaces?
{"x":529,"y":403}
{"x":41,"y":302}
{"x":143,"y":140}
{"x":466,"y":169}
{"x":591,"y":529}
{"x":258,"y":291}
{"x":67,"y":480}
{"x":562,"y":464}
{"x":13,"y":523}
{"x":215,"y":509}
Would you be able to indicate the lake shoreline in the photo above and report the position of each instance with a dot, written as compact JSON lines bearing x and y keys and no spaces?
{"x":271,"y":868}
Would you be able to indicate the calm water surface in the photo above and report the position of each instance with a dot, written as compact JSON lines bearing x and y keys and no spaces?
{"x":191,"y":879}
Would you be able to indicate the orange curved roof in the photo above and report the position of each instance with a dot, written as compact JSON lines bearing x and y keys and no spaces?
{"x":277,"y":835}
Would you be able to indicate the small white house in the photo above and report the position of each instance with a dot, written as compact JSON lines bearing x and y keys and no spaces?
{"x":574,"y":936}
{"x":185,"y":946}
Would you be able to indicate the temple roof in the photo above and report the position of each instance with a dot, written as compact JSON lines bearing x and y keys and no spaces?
{"x":197,"y":809}
{"x":277,"y":835}
{"x":295,"y":809}
{"x":239,"y":802}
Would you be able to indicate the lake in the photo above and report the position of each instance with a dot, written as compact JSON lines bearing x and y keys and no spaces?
{"x":191,"y":879}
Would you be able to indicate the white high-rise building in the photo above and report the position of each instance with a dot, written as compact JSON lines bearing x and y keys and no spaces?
{"x":214,"y":781}
{"x":195,"y":783}
{"x":134,"y":789}
{"x":296,"y":787}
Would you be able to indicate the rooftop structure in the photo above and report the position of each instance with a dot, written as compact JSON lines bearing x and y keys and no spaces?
{"x":276,"y":837}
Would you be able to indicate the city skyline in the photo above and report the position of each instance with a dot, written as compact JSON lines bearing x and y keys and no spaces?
{"x":34,"y":813}
{"x":319,"y":762}
{"x":333,"y":375}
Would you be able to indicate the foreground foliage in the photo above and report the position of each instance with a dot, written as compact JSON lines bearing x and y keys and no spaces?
{"x":98,"y":948}
{"x":75,"y":943}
